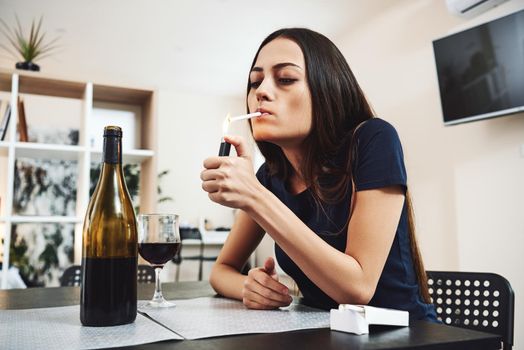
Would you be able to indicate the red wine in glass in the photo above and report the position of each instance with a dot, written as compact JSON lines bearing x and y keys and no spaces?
{"x":158,"y":242}
{"x":158,"y":254}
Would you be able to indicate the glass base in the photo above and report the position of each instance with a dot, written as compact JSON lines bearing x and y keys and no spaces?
{"x":158,"y":303}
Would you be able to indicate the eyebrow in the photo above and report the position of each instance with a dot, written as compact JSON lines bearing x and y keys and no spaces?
{"x":276,"y":66}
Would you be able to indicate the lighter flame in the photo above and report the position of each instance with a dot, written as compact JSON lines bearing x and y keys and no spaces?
{"x":225,"y":124}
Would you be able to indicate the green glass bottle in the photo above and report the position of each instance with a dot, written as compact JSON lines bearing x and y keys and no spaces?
{"x":109,"y":244}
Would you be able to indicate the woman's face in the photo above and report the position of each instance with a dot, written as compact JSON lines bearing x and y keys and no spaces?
{"x":278,"y":89}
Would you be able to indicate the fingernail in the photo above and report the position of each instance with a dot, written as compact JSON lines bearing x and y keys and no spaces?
{"x":285,"y":291}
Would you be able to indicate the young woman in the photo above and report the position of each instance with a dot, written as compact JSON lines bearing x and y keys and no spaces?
{"x":332,"y":192}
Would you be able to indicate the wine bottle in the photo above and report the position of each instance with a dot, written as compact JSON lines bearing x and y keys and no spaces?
{"x":108,"y":295}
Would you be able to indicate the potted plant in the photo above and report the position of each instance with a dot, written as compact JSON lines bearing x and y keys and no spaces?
{"x":29,"y":48}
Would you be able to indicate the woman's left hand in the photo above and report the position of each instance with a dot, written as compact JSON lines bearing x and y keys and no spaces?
{"x":231,"y":181}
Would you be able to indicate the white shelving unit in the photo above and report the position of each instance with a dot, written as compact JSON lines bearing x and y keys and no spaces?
{"x":18,"y":83}
{"x":47,"y":151}
{"x":131,"y":156}
{"x":45,"y":219}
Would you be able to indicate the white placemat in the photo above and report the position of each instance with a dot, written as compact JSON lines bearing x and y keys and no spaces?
{"x":213,"y":316}
{"x":60,"y":328}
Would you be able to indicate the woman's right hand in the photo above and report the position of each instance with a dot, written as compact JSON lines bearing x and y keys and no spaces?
{"x":262,"y":290}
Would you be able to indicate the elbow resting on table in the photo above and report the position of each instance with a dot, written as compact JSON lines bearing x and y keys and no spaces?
{"x":213,"y":277}
{"x":220,"y":279}
{"x":359,"y":294}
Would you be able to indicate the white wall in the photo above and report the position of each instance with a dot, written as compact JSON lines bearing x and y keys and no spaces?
{"x":467,"y":181}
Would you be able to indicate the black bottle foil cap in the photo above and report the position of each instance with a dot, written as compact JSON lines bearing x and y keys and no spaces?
{"x":112,"y":145}
{"x":112,"y":131}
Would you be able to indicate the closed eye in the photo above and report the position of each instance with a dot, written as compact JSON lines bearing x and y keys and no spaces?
{"x":286,"y":81}
{"x":254,"y":84}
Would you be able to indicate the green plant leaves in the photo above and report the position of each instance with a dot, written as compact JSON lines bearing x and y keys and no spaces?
{"x":29,"y":48}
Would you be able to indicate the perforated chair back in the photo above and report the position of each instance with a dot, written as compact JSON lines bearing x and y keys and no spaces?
{"x":479,"y":301}
{"x":185,"y":234}
{"x":72,"y":276}
{"x":145,"y":274}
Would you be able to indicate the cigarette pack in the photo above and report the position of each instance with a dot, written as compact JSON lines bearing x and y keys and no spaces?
{"x":357,"y":318}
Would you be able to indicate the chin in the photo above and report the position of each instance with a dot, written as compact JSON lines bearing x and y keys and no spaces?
{"x":263,"y":135}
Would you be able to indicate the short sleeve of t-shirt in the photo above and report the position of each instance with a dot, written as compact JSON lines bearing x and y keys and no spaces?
{"x":379,"y":160}
{"x":263,"y":176}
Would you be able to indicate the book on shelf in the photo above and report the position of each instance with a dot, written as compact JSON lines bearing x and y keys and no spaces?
{"x":5,"y":115}
{"x":357,"y":318}
{"x":22,"y":124}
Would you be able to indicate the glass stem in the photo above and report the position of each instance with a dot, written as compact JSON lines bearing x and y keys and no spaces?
{"x":158,"y":291}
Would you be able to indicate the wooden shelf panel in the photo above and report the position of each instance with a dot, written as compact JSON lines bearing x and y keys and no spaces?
{"x":29,"y":84}
{"x":47,"y":151}
{"x":5,"y":81}
{"x":4,"y":148}
{"x":132,"y":156}
{"x":104,"y":93}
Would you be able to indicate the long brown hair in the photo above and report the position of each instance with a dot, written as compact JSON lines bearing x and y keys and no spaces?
{"x":338,"y":107}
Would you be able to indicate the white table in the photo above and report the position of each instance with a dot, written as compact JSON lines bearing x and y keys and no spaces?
{"x":209,"y":238}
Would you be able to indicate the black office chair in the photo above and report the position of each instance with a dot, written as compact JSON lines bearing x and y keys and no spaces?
{"x":474,"y":300}
{"x":72,"y":276}
{"x":145,"y":274}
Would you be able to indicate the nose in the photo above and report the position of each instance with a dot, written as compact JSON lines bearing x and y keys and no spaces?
{"x":264,"y":92}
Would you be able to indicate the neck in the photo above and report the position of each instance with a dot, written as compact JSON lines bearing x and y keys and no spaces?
{"x":294,"y":156}
{"x":296,"y":181}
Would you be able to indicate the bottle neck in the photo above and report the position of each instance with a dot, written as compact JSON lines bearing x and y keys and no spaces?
{"x":112,"y":150}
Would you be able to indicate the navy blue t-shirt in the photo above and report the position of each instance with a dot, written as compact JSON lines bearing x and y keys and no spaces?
{"x":379,"y":162}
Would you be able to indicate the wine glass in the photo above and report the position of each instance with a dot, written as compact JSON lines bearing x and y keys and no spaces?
{"x":158,"y":242}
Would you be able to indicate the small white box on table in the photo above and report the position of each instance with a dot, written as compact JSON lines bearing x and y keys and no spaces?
{"x":357,"y":318}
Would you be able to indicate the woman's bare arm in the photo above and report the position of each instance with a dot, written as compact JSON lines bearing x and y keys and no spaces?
{"x":244,"y":237}
{"x":350,"y":276}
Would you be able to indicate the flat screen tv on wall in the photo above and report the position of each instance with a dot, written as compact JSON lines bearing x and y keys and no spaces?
{"x":481,"y":70}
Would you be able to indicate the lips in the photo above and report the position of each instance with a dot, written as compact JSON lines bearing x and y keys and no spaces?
{"x":264,"y":111}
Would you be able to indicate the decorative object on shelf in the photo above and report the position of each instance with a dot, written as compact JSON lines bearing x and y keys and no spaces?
{"x":22,"y":123}
{"x":28,"y":48}
{"x":45,"y":187}
{"x":42,"y":252}
{"x":5,"y":115}
{"x":55,"y":136}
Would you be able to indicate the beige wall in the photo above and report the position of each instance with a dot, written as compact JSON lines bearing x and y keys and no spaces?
{"x":467,"y":181}
{"x":190,"y":129}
